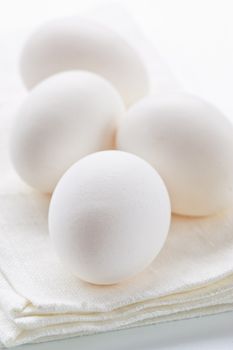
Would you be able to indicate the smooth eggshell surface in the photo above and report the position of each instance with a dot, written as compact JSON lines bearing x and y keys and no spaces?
{"x":76,"y":43}
{"x":64,"y":118}
{"x":109,"y":217}
{"x":190,"y":143}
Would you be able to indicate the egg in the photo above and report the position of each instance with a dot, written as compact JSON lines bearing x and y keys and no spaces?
{"x":64,"y":118}
{"x":77,"y":43}
{"x":190,"y":143}
{"x":109,"y":217}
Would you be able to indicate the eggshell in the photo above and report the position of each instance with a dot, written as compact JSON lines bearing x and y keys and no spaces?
{"x":76,"y":43}
{"x":109,"y":217}
{"x":63,"y":119}
{"x":190,"y":143}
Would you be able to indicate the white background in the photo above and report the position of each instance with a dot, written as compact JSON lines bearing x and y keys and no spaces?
{"x":195,"y":37}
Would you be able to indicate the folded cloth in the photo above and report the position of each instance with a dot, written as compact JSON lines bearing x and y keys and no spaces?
{"x":40,"y":300}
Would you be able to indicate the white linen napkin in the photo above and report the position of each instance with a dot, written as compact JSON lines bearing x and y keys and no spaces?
{"x":40,"y":300}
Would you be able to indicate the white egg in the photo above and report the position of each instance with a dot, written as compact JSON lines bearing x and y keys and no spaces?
{"x":76,"y":43}
{"x":64,"y":118}
{"x":190,"y":143}
{"x":109,"y":217}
